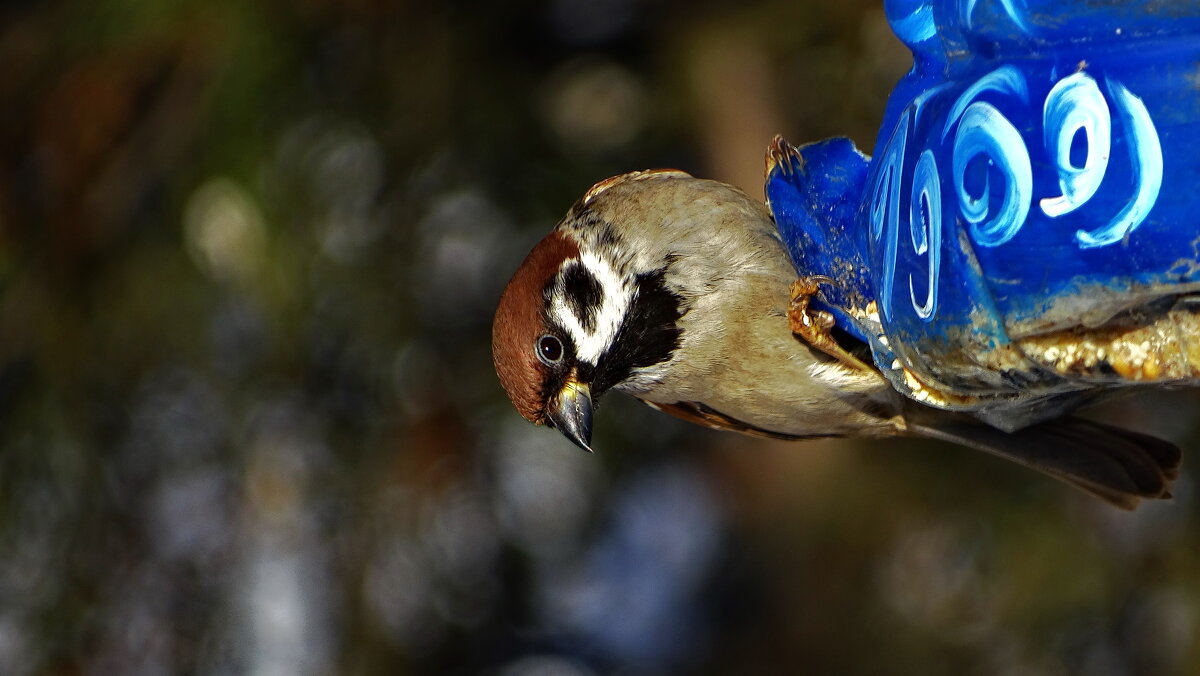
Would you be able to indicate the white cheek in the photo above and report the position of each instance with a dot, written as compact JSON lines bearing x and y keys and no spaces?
{"x":617,"y":296}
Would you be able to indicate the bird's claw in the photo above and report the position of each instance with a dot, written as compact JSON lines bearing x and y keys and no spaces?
{"x":815,"y":326}
{"x":783,"y":155}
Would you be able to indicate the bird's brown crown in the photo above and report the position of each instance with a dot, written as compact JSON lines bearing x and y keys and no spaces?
{"x":520,"y":321}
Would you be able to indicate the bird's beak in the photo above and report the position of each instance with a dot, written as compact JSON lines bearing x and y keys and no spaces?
{"x":571,"y":413}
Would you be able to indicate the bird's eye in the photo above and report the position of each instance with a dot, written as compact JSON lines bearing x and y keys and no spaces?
{"x":549,"y":350}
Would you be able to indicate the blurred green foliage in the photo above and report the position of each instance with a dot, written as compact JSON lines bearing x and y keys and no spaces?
{"x":248,"y":424}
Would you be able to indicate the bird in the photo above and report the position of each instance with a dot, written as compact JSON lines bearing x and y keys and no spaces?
{"x":678,"y":291}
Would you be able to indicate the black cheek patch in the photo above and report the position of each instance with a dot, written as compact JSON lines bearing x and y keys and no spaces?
{"x":584,"y":294}
{"x":649,"y":334}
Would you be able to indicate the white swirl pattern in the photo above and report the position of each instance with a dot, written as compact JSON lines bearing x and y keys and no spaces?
{"x":1074,"y":105}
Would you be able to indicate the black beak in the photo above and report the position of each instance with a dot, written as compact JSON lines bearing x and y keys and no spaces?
{"x":571,"y":413}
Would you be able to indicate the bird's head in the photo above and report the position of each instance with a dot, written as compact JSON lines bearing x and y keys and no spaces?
{"x":589,"y":308}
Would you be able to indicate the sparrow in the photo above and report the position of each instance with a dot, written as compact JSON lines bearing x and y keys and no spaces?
{"x":678,"y":291}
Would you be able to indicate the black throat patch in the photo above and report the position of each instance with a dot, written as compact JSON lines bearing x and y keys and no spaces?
{"x":648,"y":335}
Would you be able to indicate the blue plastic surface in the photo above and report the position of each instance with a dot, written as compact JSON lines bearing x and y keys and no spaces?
{"x":1037,"y":173}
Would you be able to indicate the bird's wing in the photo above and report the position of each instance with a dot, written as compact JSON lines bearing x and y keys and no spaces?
{"x":699,"y":414}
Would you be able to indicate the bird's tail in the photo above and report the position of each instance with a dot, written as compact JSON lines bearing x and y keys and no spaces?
{"x":1118,"y":465}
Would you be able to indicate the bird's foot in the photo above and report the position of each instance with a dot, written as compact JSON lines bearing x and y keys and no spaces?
{"x":783,"y":155}
{"x":815,"y":327}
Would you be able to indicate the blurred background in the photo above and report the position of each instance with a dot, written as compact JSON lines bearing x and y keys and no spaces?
{"x":249,"y":254}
